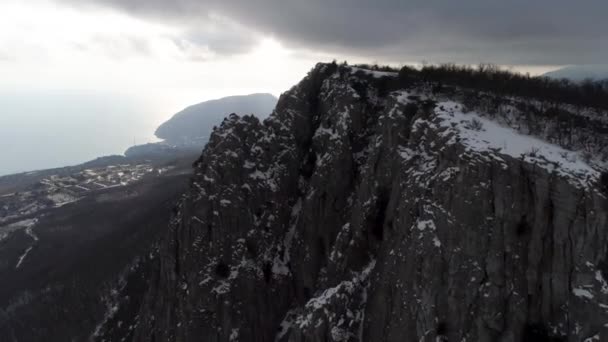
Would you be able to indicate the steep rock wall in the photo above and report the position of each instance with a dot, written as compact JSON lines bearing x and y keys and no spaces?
{"x":354,"y":215}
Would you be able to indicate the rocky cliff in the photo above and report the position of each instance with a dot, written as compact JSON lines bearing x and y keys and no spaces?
{"x":361,"y":212}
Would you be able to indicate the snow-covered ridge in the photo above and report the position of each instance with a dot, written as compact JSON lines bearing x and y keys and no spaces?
{"x":374,"y":73}
{"x":480,"y":134}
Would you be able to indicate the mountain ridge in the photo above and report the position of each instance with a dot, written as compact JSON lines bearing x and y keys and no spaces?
{"x":374,"y":206}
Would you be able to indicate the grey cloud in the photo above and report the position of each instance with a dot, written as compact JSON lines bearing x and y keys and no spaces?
{"x":509,"y":32}
{"x":220,"y":35}
{"x":223,"y":45}
{"x":116,"y":47}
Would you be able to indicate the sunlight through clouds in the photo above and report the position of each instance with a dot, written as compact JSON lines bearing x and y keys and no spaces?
{"x":44,"y":45}
{"x":87,"y":64}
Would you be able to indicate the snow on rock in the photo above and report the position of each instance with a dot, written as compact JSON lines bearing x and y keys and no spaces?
{"x":436,"y":242}
{"x":480,"y":134}
{"x":31,"y":233}
{"x":234,"y":335}
{"x":582,"y":293}
{"x":27,"y":224}
{"x":60,"y":199}
{"x":423,"y":225}
{"x":374,"y":73}
{"x":265,"y":177}
{"x":600,"y":278}
{"x":23,"y":224}
{"x":593,"y":338}
{"x":331,"y":133}
{"x":22,"y":257}
{"x":318,"y":311}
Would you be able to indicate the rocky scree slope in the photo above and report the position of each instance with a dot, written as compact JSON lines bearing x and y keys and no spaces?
{"x":357,"y":214}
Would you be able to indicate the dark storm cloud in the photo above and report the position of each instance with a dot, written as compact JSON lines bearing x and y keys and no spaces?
{"x":516,"y":31}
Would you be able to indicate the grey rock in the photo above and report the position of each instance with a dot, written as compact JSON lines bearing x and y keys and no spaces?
{"x":354,"y":215}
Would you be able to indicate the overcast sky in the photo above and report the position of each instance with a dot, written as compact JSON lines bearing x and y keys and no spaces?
{"x":163,"y":55}
{"x":182,"y":51}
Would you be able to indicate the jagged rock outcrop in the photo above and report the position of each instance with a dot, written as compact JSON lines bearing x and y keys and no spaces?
{"x":357,"y":214}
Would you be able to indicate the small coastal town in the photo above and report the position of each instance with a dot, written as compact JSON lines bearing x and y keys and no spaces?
{"x":58,"y":190}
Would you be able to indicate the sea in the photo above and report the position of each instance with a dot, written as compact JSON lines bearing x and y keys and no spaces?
{"x":55,"y":129}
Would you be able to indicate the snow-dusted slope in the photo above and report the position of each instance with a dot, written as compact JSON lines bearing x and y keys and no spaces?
{"x":481,"y":135}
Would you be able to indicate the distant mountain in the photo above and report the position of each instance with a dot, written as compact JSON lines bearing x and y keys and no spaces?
{"x":194,"y":124}
{"x":580,"y":72}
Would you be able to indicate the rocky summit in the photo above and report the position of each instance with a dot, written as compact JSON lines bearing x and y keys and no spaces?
{"x":380,"y":206}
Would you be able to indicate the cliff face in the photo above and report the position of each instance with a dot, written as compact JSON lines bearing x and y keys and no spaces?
{"x":352,"y":214}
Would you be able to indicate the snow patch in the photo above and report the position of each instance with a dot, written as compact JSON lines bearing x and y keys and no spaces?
{"x":436,"y":242}
{"x":602,"y":281}
{"x":60,"y":199}
{"x":423,"y":225}
{"x":234,"y":335}
{"x":593,"y":338}
{"x":265,"y":177}
{"x":480,"y":134}
{"x":27,"y":224}
{"x":331,"y":133}
{"x":582,"y":293}
{"x":374,"y":73}
{"x":22,"y":257}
